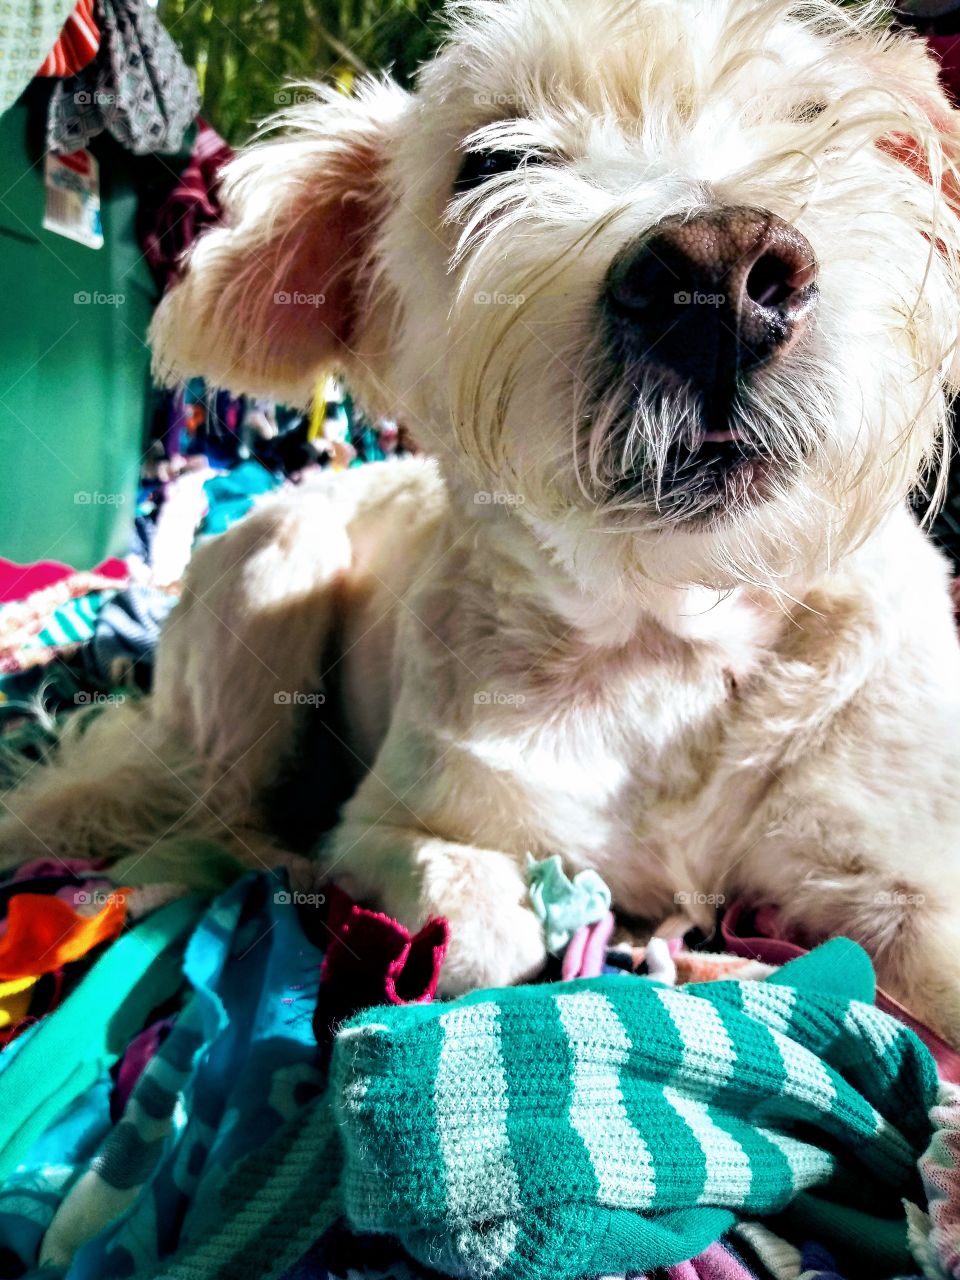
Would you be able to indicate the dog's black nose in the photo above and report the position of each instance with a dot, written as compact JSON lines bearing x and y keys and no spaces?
{"x":708,"y":298}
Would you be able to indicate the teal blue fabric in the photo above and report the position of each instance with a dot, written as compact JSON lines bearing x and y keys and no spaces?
{"x":562,"y":904}
{"x":100,"y":1202}
{"x":231,"y":496}
{"x":58,"y":1059}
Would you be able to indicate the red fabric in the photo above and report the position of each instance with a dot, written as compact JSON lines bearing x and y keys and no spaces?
{"x":76,"y":45}
{"x":43,"y":933}
{"x":371,"y":959}
{"x":755,"y":932}
{"x":947,"y":49}
{"x":17,"y":581}
{"x":193,"y":204}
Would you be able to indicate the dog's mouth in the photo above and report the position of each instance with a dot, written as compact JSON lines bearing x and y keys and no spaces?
{"x":718,"y":472}
{"x":707,"y":464}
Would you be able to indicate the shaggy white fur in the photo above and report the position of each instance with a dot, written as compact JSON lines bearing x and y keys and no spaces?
{"x":526,"y":652}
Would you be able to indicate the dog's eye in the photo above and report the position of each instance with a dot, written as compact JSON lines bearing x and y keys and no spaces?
{"x":478,"y":166}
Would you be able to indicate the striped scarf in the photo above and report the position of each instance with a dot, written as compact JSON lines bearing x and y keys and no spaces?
{"x":613,"y":1124}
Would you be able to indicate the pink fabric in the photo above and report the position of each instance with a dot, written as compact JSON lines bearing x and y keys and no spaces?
{"x":17,"y":581}
{"x":715,"y":1263}
{"x":587,"y":949}
{"x":940,"y":1169}
{"x":752,"y":931}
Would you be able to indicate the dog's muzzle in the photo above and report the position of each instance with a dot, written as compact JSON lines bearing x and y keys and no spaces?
{"x":702,"y":304}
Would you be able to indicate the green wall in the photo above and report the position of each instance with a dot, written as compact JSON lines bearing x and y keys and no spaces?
{"x":73,"y":375}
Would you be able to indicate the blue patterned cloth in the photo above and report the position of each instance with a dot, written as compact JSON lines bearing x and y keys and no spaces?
{"x":94,"y":1202}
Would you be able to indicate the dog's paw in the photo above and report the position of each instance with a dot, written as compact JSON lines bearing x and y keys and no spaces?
{"x":493,"y":948}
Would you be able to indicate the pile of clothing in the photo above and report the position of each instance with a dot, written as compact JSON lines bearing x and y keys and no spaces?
{"x":208,"y":1072}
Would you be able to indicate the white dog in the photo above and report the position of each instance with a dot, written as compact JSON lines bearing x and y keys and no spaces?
{"x":670,"y":290}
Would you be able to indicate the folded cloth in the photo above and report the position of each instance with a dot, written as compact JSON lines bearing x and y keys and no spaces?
{"x":126,"y":631}
{"x":60,"y":614}
{"x":586,"y":951}
{"x":612,"y":1124}
{"x":138,"y":88}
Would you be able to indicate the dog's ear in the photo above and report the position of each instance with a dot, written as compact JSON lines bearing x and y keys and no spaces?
{"x":278,"y":292}
{"x":932,"y":151}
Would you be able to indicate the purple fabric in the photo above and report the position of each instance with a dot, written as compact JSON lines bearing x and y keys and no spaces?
{"x":138,"y":1053}
{"x":816,"y":1263}
{"x":39,"y":868}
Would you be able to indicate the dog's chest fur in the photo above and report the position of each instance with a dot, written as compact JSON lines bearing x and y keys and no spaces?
{"x":552,"y":741}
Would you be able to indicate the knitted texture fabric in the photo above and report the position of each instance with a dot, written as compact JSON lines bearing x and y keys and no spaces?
{"x":613,"y":1124}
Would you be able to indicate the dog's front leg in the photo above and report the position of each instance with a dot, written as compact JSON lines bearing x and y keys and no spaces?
{"x":495,"y":939}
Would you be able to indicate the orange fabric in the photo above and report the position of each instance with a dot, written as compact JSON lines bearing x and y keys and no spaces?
{"x":44,"y":933}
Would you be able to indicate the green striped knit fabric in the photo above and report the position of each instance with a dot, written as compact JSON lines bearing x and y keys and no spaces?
{"x":613,"y":1124}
